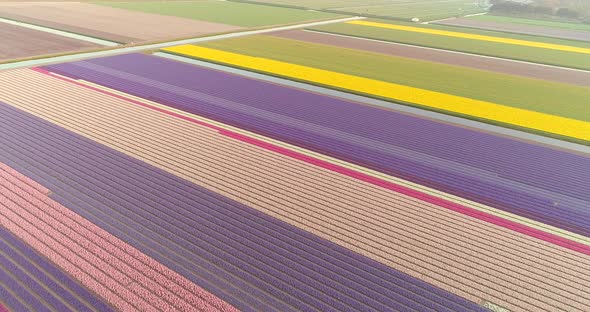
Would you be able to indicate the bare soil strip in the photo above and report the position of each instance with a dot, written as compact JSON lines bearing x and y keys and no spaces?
{"x":18,"y":42}
{"x":519,"y":29}
{"x":108,"y":23}
{"x":473,"y":61}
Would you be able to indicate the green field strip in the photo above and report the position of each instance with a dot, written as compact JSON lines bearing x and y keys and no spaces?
{"x":531,"y":94}
{"x":424,"y":11}
{"x":225,"y":12}
{"x":495,"y":49}
{"x":394,"y":9}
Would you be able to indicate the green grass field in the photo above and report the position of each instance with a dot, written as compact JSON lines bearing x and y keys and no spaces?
{"x":401,"y":9}
{"x":535,"y":22}
{"x":327,"y":4}
{"x":532,"y":94}
{"x":530,"y":54}
{"x":232,"y":13}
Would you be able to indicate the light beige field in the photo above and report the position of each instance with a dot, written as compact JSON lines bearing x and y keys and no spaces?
{"x":108,"y":23}
{"x":18,"y":42}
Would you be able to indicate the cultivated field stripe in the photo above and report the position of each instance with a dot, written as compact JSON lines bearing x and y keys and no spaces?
{"x":506,"y":180}
{"x":474,"y":36}
{"x":35,"y":277}
{"x":220,"y":126}
{"x":263,"y":142}
{"x":336,"y":201}
{"x":152,"y":280}
{"x":170,"y":213}
{"x":470,"y":107}
{"x":66,"y":253}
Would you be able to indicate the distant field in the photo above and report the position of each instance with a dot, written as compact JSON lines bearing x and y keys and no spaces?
{"x":526,"y":29}
{"x":530,"y":94}
{"x":498,"y":49}
{"x":19,"y":42}
{"x":536,"y":22}
{"x":232,"y":13}
{"x":108,"y":23}
{"x":327,"y":4}
{"x":400,"y":9}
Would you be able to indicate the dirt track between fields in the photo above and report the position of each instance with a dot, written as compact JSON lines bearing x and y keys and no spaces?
{"x":18,"y":42}
{"x":108,"y":23}
{"x":519,"y":29}
{"x":445,"y":57}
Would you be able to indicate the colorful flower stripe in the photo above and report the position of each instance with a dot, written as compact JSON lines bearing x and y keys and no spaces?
{"x":555,"y":236}
{"x":103,"y":263}
{"x":227,"y":129}
{"x":468,"y":257}
{"x":489,"y":169}
{"x":455,"y":34}
{"x":455,"y":104}
{"x":26,"y":276}
{"x":253,"y":260}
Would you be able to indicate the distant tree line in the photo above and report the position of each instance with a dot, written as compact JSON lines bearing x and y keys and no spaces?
{"x":569,"y":9}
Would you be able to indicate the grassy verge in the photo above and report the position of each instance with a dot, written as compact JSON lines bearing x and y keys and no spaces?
{"x":232,"y":13}
{"x":496,"y":49}
{"x":531,"y":94}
